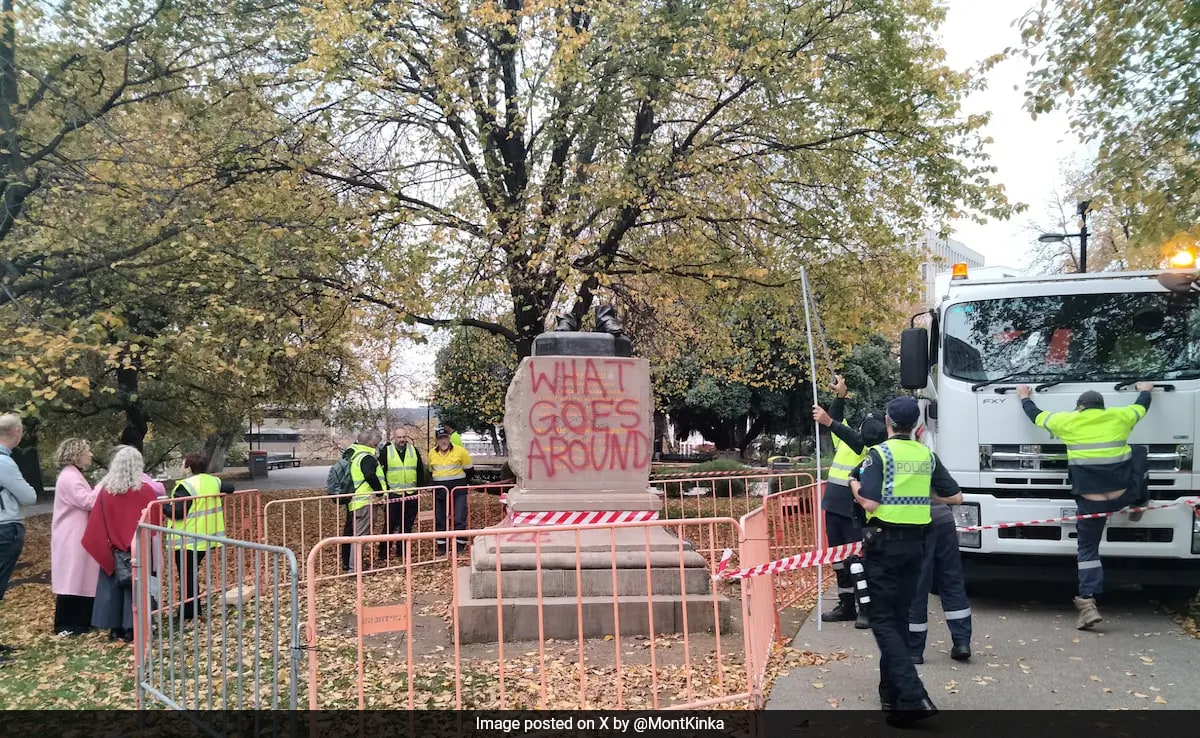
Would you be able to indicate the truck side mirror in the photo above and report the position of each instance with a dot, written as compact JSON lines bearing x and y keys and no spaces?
{"x":914,"y":358}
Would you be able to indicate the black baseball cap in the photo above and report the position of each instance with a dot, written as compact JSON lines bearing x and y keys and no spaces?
{"x":1090,"y":399}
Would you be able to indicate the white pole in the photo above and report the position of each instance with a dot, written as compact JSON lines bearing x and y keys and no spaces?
{"x":812,"y":358}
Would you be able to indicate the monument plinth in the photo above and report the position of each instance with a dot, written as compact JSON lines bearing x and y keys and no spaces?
{"x":579,"y":425}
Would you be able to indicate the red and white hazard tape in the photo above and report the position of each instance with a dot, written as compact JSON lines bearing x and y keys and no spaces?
{"x":683,"y":476}
{"x":799,"y":561}
{"x":837,"y":553}
{"x":1193,"y":502}
{"x":605,"y":517}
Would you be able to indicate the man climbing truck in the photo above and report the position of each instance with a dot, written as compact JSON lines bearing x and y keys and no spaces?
{"x":1065,"y":336}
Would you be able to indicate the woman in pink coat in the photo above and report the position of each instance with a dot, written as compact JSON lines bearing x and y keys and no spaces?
{"x":73,"y":572}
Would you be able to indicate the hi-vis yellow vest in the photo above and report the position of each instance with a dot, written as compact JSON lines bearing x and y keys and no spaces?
{"x":206,"y":514}
{"x":907,"y":478}
{"x":401,"y":474}
{"x":1094,"y":436}
{"x":845,"y":460}
{"x":362,"y":490}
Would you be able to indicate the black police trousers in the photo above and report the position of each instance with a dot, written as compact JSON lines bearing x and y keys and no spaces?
{"x":893,"y":561}
{"x":840,"y":529}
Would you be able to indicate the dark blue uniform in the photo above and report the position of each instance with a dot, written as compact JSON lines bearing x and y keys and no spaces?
{"x":943,"y":564}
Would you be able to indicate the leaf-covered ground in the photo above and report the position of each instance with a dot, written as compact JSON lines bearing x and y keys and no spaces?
{"x":91,"y":672}
{"x":50,"y":671}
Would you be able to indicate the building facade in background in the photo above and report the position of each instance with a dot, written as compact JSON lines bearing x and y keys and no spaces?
{"x":939,"y":257}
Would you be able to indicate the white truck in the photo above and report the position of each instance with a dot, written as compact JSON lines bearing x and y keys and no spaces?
{"x":1062,"y":335}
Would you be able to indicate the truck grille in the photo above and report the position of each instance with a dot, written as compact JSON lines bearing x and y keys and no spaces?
{"x":1164,"y":457}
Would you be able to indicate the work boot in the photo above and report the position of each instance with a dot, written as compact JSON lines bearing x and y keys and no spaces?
{"x":905,"y":715}
{"x":862,"y":622}
{"x":844,"y":610}
{"x":1089,"y":615}
{"x":566,"y":322}
{"x":961,"y":652}
{"x":887,"y":702}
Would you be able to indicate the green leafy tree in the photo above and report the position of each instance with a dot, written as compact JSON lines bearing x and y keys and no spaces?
{"x":1128,"y":73}
{"x":523,"y":157}
{"x":159,"y":287}
{"x":473,"y":371}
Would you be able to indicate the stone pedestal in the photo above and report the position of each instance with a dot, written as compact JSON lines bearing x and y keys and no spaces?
{"x":579,"y":426}
{"x":651,"y":575}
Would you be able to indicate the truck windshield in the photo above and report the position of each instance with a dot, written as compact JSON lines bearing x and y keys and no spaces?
{"x":1097,"y":337}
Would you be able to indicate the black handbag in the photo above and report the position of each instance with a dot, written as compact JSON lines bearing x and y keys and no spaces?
{"x":122,"y":560}
{"x":123,"y":568}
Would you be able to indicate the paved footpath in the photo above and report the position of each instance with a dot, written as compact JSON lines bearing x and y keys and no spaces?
{"x":1027,"y":656}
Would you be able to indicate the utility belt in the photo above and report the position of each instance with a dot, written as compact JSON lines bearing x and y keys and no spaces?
{"x":878,"y":530}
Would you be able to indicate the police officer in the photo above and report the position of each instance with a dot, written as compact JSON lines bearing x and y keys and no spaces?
{"x":943,"y":563}
{"x":1106,"y":475}
{"x":899,"y":479}
{"x":841,"y":523}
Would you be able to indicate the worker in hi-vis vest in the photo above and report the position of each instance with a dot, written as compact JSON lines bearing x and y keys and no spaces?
{"x":841,"y":523}
{"x":198,"y":509}
{"x":1106,"y":474}
{"x":364,"y":475}
{"x":450,"y":466}
{"x":402,"y":470}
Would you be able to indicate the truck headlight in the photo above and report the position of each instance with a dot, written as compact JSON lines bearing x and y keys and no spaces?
{"x":967,"y":514}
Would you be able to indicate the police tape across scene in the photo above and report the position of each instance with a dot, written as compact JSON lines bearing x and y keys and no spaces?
{"x":834,"y":554}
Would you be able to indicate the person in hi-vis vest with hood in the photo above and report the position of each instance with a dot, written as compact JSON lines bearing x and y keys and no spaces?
{"x":198,"y":508}
{"x":841,"y":523}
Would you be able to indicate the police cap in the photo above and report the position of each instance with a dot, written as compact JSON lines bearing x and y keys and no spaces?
{"x":904,"y":411}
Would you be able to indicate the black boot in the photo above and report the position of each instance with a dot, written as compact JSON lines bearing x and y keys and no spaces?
{"x":566,"y":322}
{"x":862,"y":622}
{"x":607,"y":320}
{"x":843,"y":612}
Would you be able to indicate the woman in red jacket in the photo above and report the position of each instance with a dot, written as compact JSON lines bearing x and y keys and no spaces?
{"x":111,"y":526}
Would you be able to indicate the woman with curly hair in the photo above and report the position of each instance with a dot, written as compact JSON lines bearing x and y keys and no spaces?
{"x":121,"y":498}
{"x":73,"y":573}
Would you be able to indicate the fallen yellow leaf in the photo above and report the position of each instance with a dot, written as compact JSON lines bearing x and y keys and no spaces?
{"x":818,"y":685}
{"x":1160,"y":700}
{"x":1147,"y":660}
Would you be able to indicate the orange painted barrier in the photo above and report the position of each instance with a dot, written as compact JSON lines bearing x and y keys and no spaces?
{"x":399,"y":639}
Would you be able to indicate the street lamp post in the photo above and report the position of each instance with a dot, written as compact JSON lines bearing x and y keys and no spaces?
{"x":1084,"y":206}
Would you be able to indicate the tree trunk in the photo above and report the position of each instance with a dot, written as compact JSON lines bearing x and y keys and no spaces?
{"x":216,"y":446}
{"x":136,"y":419}
{"x":26,"y":456}
{"x":756,"y":429}
{"x":495,"y":441}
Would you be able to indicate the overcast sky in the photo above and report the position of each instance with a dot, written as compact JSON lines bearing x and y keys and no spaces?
{"x":1028,"y":153}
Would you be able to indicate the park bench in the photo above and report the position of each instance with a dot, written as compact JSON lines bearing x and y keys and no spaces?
{"x":279,"y":461}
